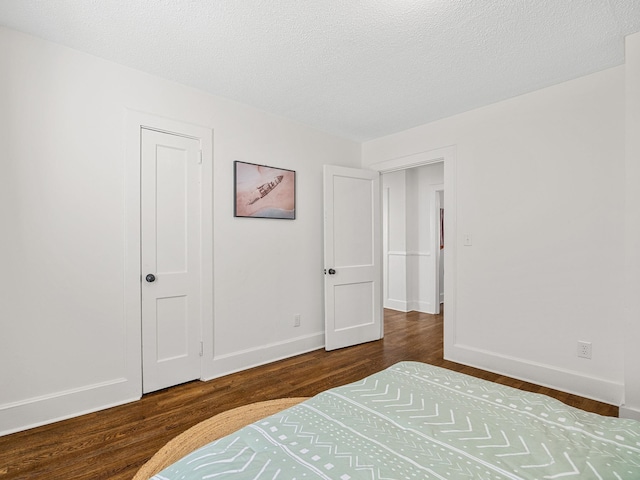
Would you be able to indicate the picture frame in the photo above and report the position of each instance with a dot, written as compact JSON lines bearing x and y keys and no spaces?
{"x":261,"y":191}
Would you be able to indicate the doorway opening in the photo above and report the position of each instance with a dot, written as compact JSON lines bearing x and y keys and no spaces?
{"x":446,"y":155}
{"x":413,"y":238}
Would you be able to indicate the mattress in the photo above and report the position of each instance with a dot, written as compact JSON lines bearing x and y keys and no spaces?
{"x":417,"y":421}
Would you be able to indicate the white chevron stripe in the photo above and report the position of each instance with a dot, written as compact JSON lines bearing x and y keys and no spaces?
{"x":348,"y":455}
{"x":515,"y":454}
{"x":368,"y":389}
{"x":551,"y":459}
{"x":419,"y":408}
{"x":573,"y":472}
{"x":377,"y":394}
{"x":396,"y":405}
{"x":466,"y":430}
{"x":363,"y":466}
{"x":436,"y":414}
{"x":388,"y":400}
{"x":507,"y":445}
{"x":361,"y":382}
{"x":488,"y":437}
{"x":452,"y":420}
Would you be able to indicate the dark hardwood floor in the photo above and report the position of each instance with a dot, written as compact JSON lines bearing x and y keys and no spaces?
{"x":114,"y":443}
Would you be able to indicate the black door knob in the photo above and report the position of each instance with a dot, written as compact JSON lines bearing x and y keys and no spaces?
{"x":332,"y":271}
{"x":150,"y":278}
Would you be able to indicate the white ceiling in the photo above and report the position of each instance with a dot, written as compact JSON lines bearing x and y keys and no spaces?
{"x":358,"y":69}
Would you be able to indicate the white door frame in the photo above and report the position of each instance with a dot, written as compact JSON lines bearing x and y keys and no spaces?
{"x":135,"y":121}
{"x":436,"y":232}
{"x":448,"y":156}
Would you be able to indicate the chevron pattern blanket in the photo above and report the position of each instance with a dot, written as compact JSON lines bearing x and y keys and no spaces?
{"x":417,"y":421}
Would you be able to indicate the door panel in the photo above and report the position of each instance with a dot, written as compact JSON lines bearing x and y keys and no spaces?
{"x":353,"y":305}
{"x":353,"y":228}
{"x":171,"y":209}
{"x":170,"y":230}
{"x":172,"y":328}
{"x":352,"y":257}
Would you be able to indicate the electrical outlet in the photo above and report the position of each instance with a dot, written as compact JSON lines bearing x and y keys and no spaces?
{"x":584,"y":349}
{"x":296,"y":320}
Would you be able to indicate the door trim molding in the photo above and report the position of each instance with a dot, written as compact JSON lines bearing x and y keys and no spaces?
{"x":134,"y":122}
{"x":448,"y":156}
{"x":435,"y":242}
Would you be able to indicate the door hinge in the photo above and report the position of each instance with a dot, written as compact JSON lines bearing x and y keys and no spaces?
{"x":201,"y":349}
{"x":200,"y":157}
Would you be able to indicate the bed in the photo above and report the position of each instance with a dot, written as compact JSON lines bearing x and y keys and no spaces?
{"x":418,"y":421}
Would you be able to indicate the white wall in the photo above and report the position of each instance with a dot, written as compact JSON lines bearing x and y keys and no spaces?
{"x":409,"y":250}
{"x":65,"y":344}
{"x":539,"y":184}
{"x":394,"y":246}
{"x":631,"y":325}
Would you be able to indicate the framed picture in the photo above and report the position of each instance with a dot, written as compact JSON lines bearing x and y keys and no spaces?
{"x":264,"y":192}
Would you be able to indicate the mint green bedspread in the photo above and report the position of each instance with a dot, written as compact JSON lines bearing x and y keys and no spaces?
{"x":417,"y":421}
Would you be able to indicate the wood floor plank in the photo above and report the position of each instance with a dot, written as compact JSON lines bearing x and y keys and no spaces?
{"x":114,"y":443}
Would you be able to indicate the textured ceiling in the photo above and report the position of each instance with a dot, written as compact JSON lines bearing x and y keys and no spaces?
{"x":358,"y":69}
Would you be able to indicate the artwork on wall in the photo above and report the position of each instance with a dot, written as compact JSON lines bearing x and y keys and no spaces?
{"x":264,"y":192}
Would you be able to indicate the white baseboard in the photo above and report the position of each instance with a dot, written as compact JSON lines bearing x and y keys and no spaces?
{"x":38,"y":411}
{"x":628,"y":412}
{"x":222,"y":365}
{"x":563,"y":380}
{"x":34,"y":412}
{"x":398,"y":305}
{"x":423,"y":307}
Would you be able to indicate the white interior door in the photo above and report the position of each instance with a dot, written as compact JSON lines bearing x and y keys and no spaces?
{"x":171,"y":263}
{"x":352,"y":257}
